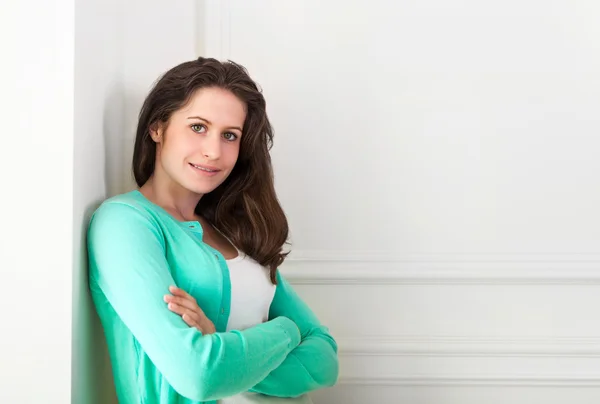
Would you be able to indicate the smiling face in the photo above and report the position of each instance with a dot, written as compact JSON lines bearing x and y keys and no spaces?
{"x":199,"y":146}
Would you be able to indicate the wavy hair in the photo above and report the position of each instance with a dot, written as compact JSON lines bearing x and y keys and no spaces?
{"x":245,"y":207}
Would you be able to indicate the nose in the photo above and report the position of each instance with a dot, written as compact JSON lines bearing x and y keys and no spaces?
{"x":211,"y":146}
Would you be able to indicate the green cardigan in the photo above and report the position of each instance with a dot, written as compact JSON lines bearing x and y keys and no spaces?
{"x":136,"y":251}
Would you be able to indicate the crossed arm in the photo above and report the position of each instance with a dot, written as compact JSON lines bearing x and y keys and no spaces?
{"x":287,"y":356}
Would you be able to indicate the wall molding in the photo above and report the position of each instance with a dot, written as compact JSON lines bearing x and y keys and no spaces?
{"x":517,"y":348}
{"x":475,"y":381}
{"x":214,"y":40}
{"x":383,"y":268}
{"x":470,"y":346}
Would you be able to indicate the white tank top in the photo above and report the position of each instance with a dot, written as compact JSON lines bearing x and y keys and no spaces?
{"x":251,"y":296}
{"x":251,"y":293}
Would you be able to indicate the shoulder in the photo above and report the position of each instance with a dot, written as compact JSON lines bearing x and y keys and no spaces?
{"x":128,"y":211}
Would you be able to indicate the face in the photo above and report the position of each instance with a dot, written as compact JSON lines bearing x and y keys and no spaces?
{"x":200,"y":145}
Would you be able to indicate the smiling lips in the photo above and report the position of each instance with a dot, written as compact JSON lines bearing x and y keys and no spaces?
{"x":207,"y":170}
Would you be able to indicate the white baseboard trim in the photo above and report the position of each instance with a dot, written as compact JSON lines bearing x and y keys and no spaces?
{"x":469,"y":346}
{"x":371,"y":268}
{"x":475,"y":381}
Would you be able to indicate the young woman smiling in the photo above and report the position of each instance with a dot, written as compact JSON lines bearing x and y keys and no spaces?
{"x":184,"y":270}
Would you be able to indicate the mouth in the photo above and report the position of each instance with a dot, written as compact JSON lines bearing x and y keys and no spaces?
{"x":205,"y":169}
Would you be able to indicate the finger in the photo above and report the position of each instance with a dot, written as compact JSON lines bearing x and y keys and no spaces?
{"x":175,"y":308}
{"x":179,"y":292}
{"x":189,"y":321}
{"x":192,"y":305}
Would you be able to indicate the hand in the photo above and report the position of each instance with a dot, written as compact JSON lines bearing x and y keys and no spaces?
{"x":187,"y":307}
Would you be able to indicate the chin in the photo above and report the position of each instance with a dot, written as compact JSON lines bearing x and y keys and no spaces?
{"x":203,"y":186}
{"x":203,"y":189}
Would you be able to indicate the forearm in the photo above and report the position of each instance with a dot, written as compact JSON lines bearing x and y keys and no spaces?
{"x":310,"y":366}
{"x":129,"y":272}
{"x":238,"y":360}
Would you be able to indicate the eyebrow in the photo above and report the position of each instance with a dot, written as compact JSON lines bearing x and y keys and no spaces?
{"x":210,"y":123}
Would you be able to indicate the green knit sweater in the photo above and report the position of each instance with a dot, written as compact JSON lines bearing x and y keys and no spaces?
{"x":136,"y":251}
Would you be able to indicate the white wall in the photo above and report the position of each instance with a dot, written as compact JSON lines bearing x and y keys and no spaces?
{"x":99,"y":122}
{"x":114,"y":69}
{"x":36,"y":81}
{"x":438,"y":163}
{"x":436,"y":159}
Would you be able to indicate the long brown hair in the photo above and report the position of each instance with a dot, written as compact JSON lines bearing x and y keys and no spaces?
{"x":244,"y":207}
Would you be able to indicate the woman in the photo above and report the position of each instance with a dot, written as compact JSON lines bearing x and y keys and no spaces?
{"x":183,"y":270}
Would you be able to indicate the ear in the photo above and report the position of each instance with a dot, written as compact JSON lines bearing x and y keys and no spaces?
{"x":156,"y":132}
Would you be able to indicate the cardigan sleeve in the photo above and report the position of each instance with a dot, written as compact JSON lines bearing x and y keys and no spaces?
{"x":128,"y":266}
{"x":311,"y":365}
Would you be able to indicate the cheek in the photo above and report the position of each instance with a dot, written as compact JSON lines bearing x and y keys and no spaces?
{"x":232,"y":155}
{"x":174,"y":149}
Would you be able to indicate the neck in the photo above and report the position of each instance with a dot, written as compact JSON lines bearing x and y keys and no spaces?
{"x":178,"y":201}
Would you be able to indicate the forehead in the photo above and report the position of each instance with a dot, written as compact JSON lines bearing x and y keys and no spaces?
{"x":220,"y":107}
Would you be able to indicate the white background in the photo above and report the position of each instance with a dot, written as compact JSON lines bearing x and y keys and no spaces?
{"x":436,"y":159}
{"x":36,"y":214}
{"x":438,"y":163}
